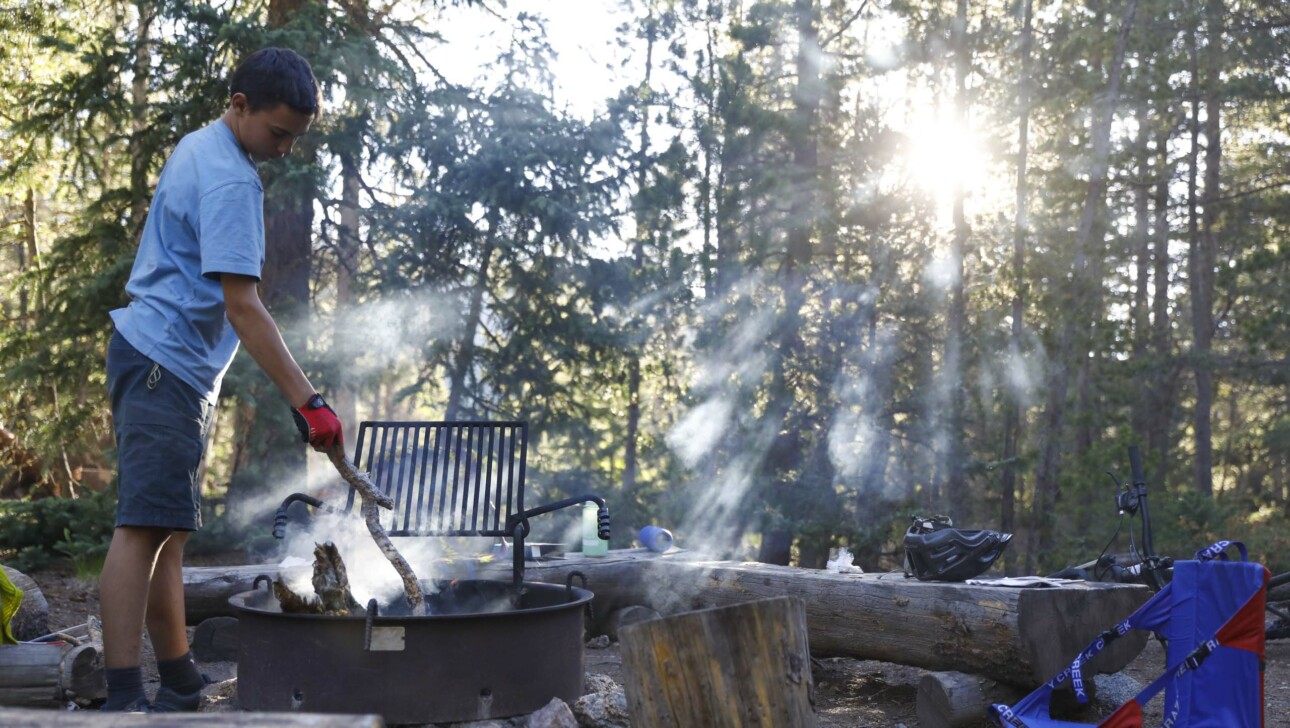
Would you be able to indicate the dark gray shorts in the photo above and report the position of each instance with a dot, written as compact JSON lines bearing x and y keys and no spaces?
{"x":161,"y":427}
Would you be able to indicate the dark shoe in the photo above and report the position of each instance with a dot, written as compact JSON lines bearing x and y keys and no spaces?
{"x":140,"y":705}
{"x":169,"y":701}
{"x":172,"y":701}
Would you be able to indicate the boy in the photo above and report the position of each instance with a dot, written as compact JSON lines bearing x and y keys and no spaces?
{"x":192,"y":299}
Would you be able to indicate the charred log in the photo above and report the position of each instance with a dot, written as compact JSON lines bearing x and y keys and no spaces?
{"x":331,"y":585}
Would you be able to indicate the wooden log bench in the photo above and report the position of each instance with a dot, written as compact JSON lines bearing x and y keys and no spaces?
{"x":1017,"y":636}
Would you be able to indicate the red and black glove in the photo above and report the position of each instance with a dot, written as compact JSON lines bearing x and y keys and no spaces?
{"x":318,"y":424}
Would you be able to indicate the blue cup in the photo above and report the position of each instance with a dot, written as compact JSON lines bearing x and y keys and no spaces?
{"x":656,"y":539}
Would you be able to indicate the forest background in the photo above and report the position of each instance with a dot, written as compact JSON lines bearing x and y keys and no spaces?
{"x":818,"y":265}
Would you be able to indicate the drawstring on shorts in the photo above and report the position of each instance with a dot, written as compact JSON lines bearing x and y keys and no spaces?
{"x":154,"y":376}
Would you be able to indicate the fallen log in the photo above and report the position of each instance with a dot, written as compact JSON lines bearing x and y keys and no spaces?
{"x":1279,"y":593}
{"x":743,"y":665}
{"x":48,"y":675}
{"x":613,"y":624}
{"x":1017,"y":636}
{"x":958,"y":700}
{"x":13,"y":718}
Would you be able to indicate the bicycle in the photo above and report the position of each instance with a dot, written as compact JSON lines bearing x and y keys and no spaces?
{"x":1150,"y":568}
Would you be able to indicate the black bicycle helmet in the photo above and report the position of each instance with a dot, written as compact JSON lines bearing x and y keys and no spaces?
{"x":936,"y":551}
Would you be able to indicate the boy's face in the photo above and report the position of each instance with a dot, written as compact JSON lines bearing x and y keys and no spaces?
{"x":268,"y":133}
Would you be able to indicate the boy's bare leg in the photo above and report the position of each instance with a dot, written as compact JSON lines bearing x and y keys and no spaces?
{"x":181,"y":682}
{"x":123,"y":601}
{"x":166,"y":620}
{"x":124,"y":592}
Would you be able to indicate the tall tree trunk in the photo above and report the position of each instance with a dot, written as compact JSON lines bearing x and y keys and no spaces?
{"x":786,"y":454}
{"x":956,"y":325}
{"x":1087,"y":415}
{"x":1141,"y":313}
{"x":643,"y":234}
{"x":1072,"y":343}
{"x":348,"y":246}
{"x":139,"y":113}
{"x":28,"y":256}
{"x":729,"y":192}
{"x":1014,"y":401}
{"x":1143,"y":375}
{"x":1159,"y":393}
{"x":707,"y":144}
{"x":1204,"y":250}
{"x":465,"y":359}
{"x":275,"y":457}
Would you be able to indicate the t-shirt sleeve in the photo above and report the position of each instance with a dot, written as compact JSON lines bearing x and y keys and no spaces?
{"x":231,"y":230}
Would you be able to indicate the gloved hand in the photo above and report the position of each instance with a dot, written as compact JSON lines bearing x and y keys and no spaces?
{"x":318,"y":424}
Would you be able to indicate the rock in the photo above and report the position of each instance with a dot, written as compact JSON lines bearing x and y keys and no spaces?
{"x":215,"y":640}
{"x":221,"y":697}
{"x":32,"y":619}
{"x":604,"y":705}
{"x":597,"y":683}
{"x":555,"y":714}
{"x":598,"y":643}
{"x":1114,"y":690}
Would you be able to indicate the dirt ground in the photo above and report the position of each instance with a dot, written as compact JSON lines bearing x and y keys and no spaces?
{"x":849,"y":693}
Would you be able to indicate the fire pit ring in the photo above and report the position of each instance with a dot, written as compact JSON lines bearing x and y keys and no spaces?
{"x":475,"y":656}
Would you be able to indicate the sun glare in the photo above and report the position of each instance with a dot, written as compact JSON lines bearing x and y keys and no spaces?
{"x":941,"y":154}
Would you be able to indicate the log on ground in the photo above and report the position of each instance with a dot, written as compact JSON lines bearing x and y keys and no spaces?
{"x":1018,"y":636}
{"x":959,"y":700}
{"x":46,"y":675}
{"x":743,"y":665}
{"x":207,"y":588}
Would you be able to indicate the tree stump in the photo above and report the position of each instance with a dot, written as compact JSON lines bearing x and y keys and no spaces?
{"x":742,"y":665}
{"x":958,"y":700}
{"x":32,"y":619}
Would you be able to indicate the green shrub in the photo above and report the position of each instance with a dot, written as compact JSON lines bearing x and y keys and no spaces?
{"x":36,"y":533}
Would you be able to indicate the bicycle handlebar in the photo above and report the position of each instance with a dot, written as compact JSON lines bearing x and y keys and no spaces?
{"x":1135,"y":465}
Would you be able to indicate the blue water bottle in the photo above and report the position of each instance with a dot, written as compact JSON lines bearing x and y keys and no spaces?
{"x":656,"y":539}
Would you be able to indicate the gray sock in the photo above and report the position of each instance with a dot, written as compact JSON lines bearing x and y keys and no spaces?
{"x":125,"y":688}
{"x":180,"y":674}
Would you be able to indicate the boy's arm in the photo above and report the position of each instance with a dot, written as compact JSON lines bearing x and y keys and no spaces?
{"x":259,"y":334}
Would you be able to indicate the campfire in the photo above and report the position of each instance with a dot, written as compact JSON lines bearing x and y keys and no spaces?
{"x":450,"y":650}
{"x":475,"y":655}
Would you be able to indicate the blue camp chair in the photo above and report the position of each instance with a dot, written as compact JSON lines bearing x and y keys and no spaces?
{"x":1212,"y":616}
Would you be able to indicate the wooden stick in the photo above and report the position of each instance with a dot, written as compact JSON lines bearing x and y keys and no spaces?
{"x":372,"y":499}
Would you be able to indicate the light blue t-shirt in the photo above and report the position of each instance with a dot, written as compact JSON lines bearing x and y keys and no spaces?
{"x":207,"y":218}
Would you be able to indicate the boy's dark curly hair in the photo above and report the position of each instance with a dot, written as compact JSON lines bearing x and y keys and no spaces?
{"x":273,"y":76}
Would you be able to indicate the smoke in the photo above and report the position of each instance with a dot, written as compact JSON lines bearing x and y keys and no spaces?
{"x":378,"y":336}
{"x":721,"y":439}
{"x":699,"y":431}
{"x":371,"y":575}
{"x":860,"y":438}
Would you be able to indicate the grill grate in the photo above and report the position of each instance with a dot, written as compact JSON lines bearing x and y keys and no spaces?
{"x":449,"y":479}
